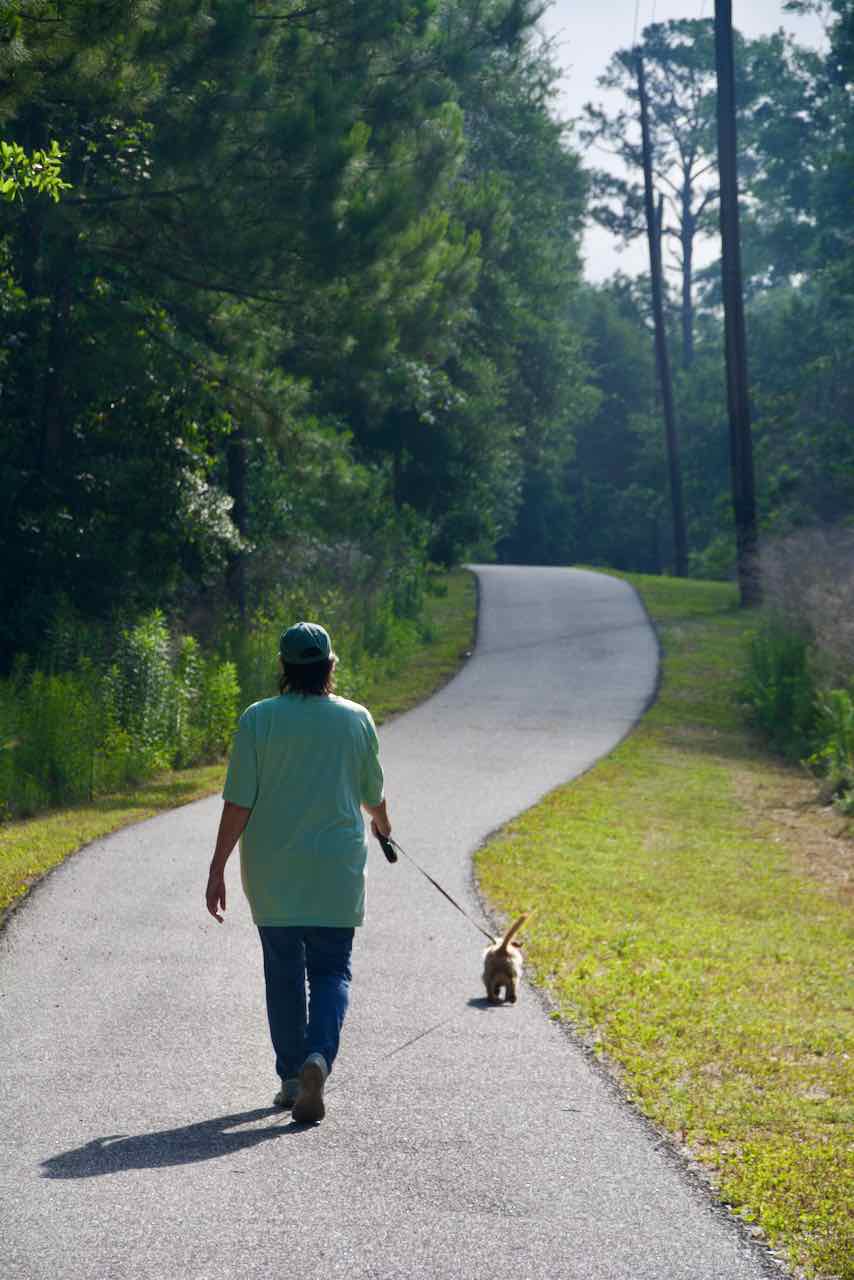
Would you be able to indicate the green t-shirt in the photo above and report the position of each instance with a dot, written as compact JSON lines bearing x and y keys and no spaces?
{"x":304,"y":766}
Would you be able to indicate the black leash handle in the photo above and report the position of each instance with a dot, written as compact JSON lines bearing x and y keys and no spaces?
{"x":387,"y":847}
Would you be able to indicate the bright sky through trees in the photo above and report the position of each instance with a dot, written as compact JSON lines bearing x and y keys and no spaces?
{"x":586,"y":34}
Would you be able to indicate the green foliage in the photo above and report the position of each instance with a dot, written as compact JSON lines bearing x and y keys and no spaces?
{"x":795,"y":127}
{"x":31,"y":848}
{"x":40,"y":172}
{"x":779,"y":688}
{"x":835,"y":755}
{"x":97,"y":724}
{"x":141,"y":691}
{"x":618,"y":471}
{"x":218,"y":704}
{"x":100,"y":712}
{"x":194,"y":397}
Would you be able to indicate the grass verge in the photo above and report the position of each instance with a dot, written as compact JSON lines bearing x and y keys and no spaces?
{"x":28,"y":850}
{"x":694,"y":925}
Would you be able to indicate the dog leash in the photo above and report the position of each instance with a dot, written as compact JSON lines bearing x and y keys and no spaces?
{"x":391,"y":849}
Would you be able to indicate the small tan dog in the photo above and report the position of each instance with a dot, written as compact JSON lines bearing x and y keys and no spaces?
{"x":502,"y":965}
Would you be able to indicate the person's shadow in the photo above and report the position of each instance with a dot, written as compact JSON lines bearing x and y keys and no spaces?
{"x":205,"y":1140}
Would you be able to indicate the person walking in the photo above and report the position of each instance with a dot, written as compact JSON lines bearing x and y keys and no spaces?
{"x":302,"y":767}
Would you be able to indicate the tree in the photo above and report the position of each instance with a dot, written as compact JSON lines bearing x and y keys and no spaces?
{"x":665,"y":384}
{"x":735,"y":343}
{"x":618,"y":473}
{"x":522,"y":169}
{"x":678,"y":58}
{"x":267,"y":269}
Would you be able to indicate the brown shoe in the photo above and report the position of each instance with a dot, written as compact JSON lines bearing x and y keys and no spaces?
{"x":308,"y":1107}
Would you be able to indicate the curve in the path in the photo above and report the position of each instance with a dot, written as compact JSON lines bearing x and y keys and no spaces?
{"x":461,"y":1141}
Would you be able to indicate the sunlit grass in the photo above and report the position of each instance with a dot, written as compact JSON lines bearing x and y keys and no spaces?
{"x":30,"y":849}
{"x":676,"y":933}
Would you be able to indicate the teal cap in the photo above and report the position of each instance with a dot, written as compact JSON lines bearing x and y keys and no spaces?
{"x":305,"y":642}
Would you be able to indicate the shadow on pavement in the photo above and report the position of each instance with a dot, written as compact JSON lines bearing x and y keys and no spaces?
{"x":203,"y":1141}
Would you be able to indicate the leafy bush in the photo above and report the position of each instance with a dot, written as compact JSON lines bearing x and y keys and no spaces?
{"x":217,"y":708}
{"x":808,"y":583}
{"x":57,"y":738}
{"x":186,"y":733}
{"x":143,"y":689}
{"x":68,"y":735}
{"x":835,"y":755}
{"x":797,"y":687}
{"x":779,"y":688}
{"x":99,"y":713}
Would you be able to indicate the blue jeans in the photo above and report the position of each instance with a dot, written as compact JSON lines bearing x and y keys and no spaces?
{"x":300,"y":1026}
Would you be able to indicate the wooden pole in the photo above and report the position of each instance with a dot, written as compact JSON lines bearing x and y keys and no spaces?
{"x":680,"y":541}
{"x":738,"y":403}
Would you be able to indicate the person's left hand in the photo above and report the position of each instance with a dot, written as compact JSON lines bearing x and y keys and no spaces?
{"x":215,"y":893}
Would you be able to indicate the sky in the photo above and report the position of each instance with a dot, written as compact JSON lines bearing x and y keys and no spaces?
{"x":588,"y":32}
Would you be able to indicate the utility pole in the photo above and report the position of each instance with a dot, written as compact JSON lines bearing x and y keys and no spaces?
{"x":680,"y":541}
{"x":740,"y":440}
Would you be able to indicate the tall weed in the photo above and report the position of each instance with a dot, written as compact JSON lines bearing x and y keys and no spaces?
{"x":799,"y":672}
{"x":99,"y":711}
{"x":143,"y":689}
{"x":68,"y":735}
{"x":779,"y":689}
{"x":835,"y":755}
{"x":808,"y":582}
{"x":217,"y":708}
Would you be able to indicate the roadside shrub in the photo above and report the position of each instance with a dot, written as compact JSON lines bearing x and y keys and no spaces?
{"x":217,"y":708}
{"x":103,"y":708}
{"x":835,"y":755}
{"x":808,"y":583}
{"x":798,"y":683}
{"x":68,"y":735}
{"x":779,"y":689}
{"x":143,"y":690}
{"x":186,"y":732}
{"x":57,"y":738}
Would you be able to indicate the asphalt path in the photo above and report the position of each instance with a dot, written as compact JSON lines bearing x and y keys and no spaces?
{"x":136,"y":1133}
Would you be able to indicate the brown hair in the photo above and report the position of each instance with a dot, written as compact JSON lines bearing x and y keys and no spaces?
{"x":307,"y":678}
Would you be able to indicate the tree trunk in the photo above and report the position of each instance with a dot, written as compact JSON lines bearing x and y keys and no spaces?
{"x":237,"y":464}
{"x":741,"y":444}
{"x":680,"y":542}
{"x":687,"y":232}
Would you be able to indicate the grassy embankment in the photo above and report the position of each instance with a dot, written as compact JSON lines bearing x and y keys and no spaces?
{"x":30,"y":849}
{"x":694,"y":925}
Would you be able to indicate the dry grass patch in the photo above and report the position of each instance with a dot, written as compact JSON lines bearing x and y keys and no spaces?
{"x":818,"y":838}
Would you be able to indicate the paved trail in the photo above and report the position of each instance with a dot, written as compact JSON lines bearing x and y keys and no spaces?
{"x":136,"y":1137}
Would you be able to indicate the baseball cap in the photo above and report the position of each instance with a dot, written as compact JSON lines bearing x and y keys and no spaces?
{"x":305,"y":642}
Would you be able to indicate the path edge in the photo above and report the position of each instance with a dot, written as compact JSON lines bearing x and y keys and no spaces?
{"x":699,"y":1180}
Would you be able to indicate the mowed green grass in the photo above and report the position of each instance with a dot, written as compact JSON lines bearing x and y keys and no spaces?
{"x":675,"y":932}
{"x":28,"y":850}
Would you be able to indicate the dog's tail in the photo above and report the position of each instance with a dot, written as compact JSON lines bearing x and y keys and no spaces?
{"x":512,"y":931}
